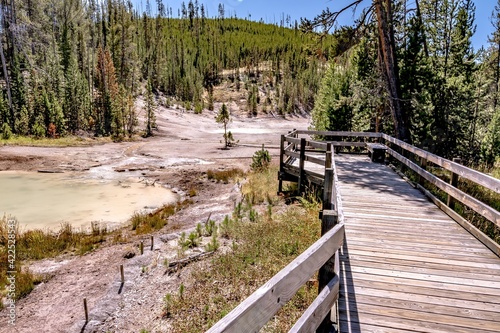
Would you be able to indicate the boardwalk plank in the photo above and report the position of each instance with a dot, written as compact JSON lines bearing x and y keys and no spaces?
{"x":406,"y":266}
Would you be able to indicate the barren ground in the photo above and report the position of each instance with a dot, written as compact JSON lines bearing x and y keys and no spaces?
{"x":184,"y":148}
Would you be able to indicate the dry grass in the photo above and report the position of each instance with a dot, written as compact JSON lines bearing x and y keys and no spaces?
{"x":259,"y":250}
{"x":262,"y":186}
{"x":225,"y":175}
{"x":39,"y":244}
{"x":146,"y":223}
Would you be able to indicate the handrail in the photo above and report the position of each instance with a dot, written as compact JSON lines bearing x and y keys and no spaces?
{"x":256,"y":310}
{"x":342,"y":133}
{"x":463,"y":171}
{"x":479,"y":207}
{"x":474,"y":176}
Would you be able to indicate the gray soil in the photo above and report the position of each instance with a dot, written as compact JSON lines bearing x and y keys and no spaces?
{"x":184,"y":148}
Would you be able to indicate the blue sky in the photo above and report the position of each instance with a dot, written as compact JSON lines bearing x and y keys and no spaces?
{"x":272,"y":10}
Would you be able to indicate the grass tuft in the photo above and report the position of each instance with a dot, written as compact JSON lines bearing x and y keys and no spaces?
{"x":225,"y":175}
{"x":146,"y":223}
{"x":39,"y":244}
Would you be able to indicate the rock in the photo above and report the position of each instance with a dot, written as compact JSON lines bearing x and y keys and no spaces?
{"x":169,"y":237}
{"x":129,"y":254}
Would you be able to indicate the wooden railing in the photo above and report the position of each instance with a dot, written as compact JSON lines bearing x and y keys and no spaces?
{"x":400,"y":150}
{"x":255,"y":311}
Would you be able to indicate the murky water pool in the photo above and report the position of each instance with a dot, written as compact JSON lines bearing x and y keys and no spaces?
{"x":47,"y":200}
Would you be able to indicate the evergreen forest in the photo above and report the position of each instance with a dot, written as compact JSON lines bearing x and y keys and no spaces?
{"x":79,"y":65}
{"x":407,"y":68}
{"x":412,"y":72}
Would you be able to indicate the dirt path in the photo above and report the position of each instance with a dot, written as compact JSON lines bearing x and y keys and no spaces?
{"x":185,"y":147}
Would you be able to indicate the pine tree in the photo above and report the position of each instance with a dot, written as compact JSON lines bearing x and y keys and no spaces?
{"x":150,"y":110}
{"x":223,"y":117}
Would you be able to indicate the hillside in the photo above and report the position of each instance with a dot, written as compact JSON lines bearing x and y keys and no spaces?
{"x":74,"y":66}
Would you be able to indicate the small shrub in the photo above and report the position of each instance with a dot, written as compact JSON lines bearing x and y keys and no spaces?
{"x":6,"y":131}
{"x":252,"y":215}
{"x":38,"y":131}
{"x":167,"y":303}
{"x":225,"y":228}
{"x":25,"y":282}
{"x":192,"y":192}
{"x":193,"y":240}
{"x":198,"y":109}
{"x":237,"y":213}
{"x":199,"y":230}
{"x":181,"y":290}
{"x":182,"y":242}
{"x":210,"y":228}
{"x":260,"y":160}
{"x":213,"y":245}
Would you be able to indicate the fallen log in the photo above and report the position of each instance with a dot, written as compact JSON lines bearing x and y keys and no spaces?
{"x":178,"y":264}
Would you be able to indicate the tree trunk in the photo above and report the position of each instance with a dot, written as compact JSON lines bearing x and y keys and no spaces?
{"x":7,"y":84}
{"x":390,"y":67}
{"x":497,"y":76}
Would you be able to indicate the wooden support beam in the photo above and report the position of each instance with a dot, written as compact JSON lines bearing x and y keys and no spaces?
{"x":328,"y":203}
{"x":302,"y":159}
{"x":423,"y":165}
{"x":282,"y":156}
{"x":328,"y":157}
{"x":327,"y":271}
{"x":453,"y":182}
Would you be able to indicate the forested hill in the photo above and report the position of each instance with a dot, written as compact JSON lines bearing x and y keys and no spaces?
{"x":415,"y":74}
{"x":73,"y":65}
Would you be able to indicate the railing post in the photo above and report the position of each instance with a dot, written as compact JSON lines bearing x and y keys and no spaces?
{"x":405,"y":155}
{"x":280,"y":172}
{"x":423,"y":165}
{"x":328,"y":203}
{"x":301,"y":164}
{"x":328,"y":221}
{"x":454,"y":183}
{"x":328,"y":156}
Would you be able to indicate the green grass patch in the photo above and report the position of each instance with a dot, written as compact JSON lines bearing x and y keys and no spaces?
{"x":259,"y":250}
{"x":65,"y":141}
{"x":39,"y":244}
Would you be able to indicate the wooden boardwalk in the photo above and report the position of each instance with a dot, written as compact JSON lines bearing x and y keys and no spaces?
{"x":405,"y":265}
{"x":389,"y":259}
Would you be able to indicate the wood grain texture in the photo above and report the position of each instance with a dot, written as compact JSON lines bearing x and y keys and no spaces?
{"x":463,"y":171}
{"x":481,"y":208}
{"x":255,"y":311}
{"x":405,"y":264}
{"x":319,"y":308}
